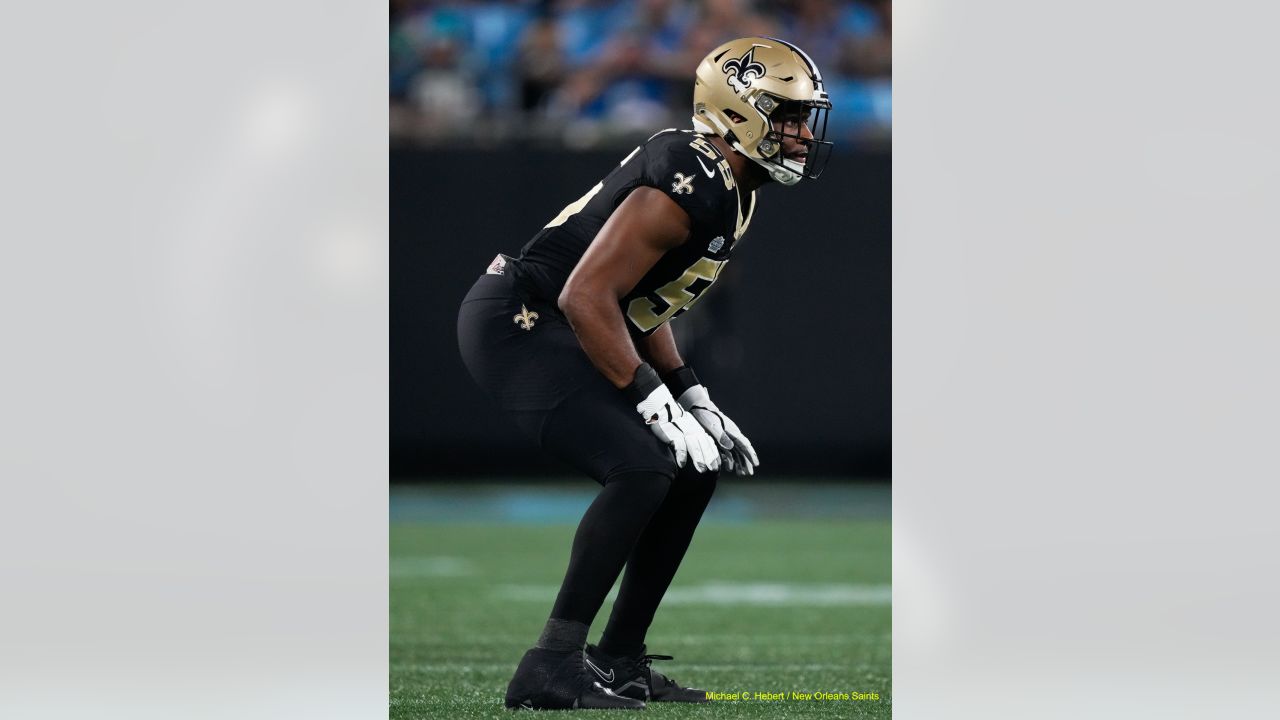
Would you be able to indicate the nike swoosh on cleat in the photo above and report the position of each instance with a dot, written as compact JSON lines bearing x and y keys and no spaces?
{"x":710,"y":173}
{"x":607,"y":678}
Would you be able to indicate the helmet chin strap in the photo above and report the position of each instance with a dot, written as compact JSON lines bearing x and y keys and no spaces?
{"x":780,"y":174}
{"x":779,"y":171}
{"x":783,"y":175}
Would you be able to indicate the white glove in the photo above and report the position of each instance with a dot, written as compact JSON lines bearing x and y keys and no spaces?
{"x":736,"y":451}
{"x":680,"y":430}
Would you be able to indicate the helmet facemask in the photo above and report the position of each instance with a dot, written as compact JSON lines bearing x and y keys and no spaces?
{"x":813,"y":113}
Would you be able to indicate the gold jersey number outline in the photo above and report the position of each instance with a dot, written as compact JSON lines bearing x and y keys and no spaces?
{"x":643,"y":312}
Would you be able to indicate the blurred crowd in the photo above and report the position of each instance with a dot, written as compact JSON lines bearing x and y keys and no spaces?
{"x":583,"y":73}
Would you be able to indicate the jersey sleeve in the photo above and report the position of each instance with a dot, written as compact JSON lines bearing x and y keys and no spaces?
{"x":688,"y":177}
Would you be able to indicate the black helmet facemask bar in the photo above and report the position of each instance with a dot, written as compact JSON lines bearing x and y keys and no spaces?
{"x":819,"y":148}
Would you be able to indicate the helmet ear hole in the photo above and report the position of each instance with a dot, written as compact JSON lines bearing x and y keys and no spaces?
{"x":735,"y":117}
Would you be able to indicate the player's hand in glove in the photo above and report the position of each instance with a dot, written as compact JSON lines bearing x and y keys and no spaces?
{"x":671,"y":423}
{"x":735,"y":449}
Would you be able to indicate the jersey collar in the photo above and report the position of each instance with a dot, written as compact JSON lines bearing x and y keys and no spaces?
{"x":741,"y":224}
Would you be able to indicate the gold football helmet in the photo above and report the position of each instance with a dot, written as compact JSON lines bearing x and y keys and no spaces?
{"x":742,"y":84}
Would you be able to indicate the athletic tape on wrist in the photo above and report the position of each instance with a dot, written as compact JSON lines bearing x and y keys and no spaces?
{"x":645,"y":382}
{"x":680,"y":379}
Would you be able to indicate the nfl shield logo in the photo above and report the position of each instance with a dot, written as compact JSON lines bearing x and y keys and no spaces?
{"x":715,"y":245}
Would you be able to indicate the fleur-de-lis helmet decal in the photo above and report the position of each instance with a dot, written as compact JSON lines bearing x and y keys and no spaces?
{"x":741,"y":71}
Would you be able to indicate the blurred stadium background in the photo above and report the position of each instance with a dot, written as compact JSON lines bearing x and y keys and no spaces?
{"x":501,"y":114}
{"x":590,"y":73}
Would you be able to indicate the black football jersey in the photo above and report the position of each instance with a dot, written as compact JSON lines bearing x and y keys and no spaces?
{"x":690,"y":170}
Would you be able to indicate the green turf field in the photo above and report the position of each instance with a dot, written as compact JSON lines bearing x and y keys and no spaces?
{"x":761,"y":604}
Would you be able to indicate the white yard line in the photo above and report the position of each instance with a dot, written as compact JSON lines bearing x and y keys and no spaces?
{"x":435,"y":566}
{"x":730,"y":593}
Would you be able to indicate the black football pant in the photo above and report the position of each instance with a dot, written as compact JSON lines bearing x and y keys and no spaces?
{"x":654,"y":560}
{"x":523,"y":353}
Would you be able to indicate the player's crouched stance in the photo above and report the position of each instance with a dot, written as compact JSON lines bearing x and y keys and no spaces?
{"x":573,"y":341}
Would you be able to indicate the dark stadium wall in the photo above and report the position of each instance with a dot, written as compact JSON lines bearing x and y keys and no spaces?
{"x":794,"y":340}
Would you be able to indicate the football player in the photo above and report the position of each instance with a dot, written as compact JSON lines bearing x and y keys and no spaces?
{"x":573,"y":340}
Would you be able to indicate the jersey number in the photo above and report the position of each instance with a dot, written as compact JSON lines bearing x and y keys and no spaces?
{"x":704,"y":147}
{"x":676,"y":295}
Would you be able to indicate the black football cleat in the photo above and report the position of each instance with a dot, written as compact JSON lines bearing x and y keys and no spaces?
{"x":632,"y":677}
{"x":547,"y":680}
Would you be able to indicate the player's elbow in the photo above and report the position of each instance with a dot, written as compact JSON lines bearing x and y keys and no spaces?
{"x":573,"y":298}
{"x":582,"y":304}
{"x":586,"y":299}
{"x":566,"y":300}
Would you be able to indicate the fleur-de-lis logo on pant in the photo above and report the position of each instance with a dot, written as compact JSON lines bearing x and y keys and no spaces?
{"x":741,"y":71}
{"x":525,"y":318}
{"x":683,"y":184}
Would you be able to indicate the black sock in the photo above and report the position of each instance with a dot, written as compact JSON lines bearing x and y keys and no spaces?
{"x":605,"y":537}
{"x":654,"y":561}
{"x":562,"y":636}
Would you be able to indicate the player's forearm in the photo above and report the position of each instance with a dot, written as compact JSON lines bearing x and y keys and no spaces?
{"x":601,"y":330}
{"x":659,"y":350}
